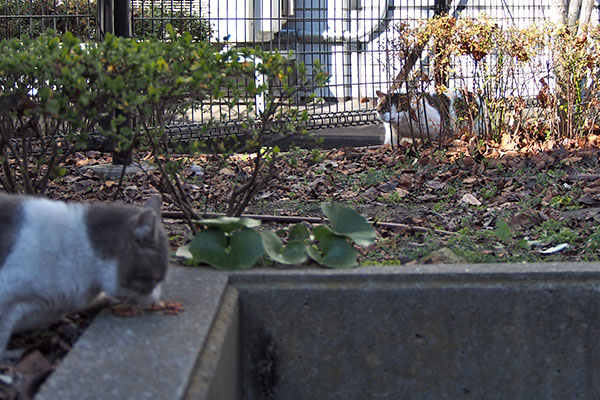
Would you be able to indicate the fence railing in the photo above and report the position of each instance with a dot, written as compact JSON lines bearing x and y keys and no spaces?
{"x":350,"y":38}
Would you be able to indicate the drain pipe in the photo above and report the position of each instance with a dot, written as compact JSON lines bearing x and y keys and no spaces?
{"x":344,"y":36}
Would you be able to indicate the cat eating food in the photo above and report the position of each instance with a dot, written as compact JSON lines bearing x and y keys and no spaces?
{"x":58,"y":257}
{"x":413,"y":117}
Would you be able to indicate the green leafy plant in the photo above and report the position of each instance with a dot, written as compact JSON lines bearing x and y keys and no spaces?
{"x":502,"y":231}
{"x":178,"y":74}
{"x":294,"y":252}
{"x":228,"y":243}
{"x":153,"y":20}
{"x":32,"y":18}
{"x":232,"y":243}
{"x":54,"y":92}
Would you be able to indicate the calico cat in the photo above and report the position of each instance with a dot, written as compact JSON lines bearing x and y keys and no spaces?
{"x":58,"y":257}
{"x":422,"y":118}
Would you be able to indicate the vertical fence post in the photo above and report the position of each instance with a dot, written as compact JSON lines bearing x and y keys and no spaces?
{"x":122,"y":17}
{"x":122,"y":21}
{"x":114,"y":16}
{"x":441,"y":7}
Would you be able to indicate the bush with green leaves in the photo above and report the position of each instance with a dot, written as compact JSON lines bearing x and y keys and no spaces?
{"x":33,"y":17}
{"x":180,"y":73}
{"x":51,"y":98}
{"x":154,"y":20}
{"x":231,"y":243}
{"x":64,"y":88}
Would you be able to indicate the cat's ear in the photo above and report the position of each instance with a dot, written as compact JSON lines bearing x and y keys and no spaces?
{"x":154,"y":203}
{"x":380,"y":94}
{"x":145,"y":222}
{"x":145,"y":226}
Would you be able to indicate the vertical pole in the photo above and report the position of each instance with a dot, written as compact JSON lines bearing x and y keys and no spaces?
{"x":441,"y":7}
{"x":114,"y":16}
{"x":106,"y":22}
{"x":122,"y":18}
{"x":122,"y":21}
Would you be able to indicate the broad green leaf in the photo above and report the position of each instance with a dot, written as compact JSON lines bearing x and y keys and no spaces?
{"x":228,"y":224}
{"x":292,"y":253}
{"x":347,"y":222}
{"x":502,"y":231}
{"x":321,"y":231}
{"x":209,"y":244}
{"x":334,"y":251}
{"x":225,"y":251}
{"x":299,"y":232}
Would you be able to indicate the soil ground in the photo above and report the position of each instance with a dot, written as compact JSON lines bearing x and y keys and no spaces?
{"x":484,"y":204}
{"x":462,"y":203}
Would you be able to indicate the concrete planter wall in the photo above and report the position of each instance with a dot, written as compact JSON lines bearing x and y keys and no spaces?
{"x":422,"y":332}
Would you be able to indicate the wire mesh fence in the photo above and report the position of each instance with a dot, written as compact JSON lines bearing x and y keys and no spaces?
{"x":352,"y":39}
{"x":32,"y":17}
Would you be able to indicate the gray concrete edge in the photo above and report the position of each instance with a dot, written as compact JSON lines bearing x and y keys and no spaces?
{"x":153,"y":356}
{"x":146,"y":357}
{"x":422,"y":274}
{"x":216,"y":374}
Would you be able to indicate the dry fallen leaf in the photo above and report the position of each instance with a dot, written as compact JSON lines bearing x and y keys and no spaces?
{"x":126,"y":310}
{"x":468,"y":198}
{"x":166,"y":307}
{"x":225,"y":171}
{"x":400,"y":192}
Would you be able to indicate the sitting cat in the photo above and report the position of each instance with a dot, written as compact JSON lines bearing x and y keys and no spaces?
{"x":421,"y":117}
{"x":58,"y":257}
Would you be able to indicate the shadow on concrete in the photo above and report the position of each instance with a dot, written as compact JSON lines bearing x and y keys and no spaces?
{"x":355,"y":136}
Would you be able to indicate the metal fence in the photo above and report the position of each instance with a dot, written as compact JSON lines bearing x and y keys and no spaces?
{"x":350,"y":38}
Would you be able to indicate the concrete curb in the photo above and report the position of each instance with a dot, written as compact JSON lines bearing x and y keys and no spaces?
{"x":148,"y":357}
{"x":517,"y":331}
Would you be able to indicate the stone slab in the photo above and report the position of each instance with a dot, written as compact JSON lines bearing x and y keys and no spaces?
{"x":424,"y":332}
{"x":498,"y":331}
{"x":113,"y":171}
{"x":216,"y":376}
{"x":353,"y":136}
{"x":147,"y":357}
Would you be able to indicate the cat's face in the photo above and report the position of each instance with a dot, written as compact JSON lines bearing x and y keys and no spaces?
{"x":136,"y":238}
{"x":393,"y":107}
{"x":143,"y":267}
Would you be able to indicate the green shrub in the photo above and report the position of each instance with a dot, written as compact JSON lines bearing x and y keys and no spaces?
{"x":153,"y":21}
{"x":51,"y":103}
{"x":56,"y":90}
{"x":34,"y":17}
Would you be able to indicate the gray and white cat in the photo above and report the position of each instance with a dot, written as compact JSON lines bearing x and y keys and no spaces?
{"x":58,"y":257}
{"x":405,"y":116}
